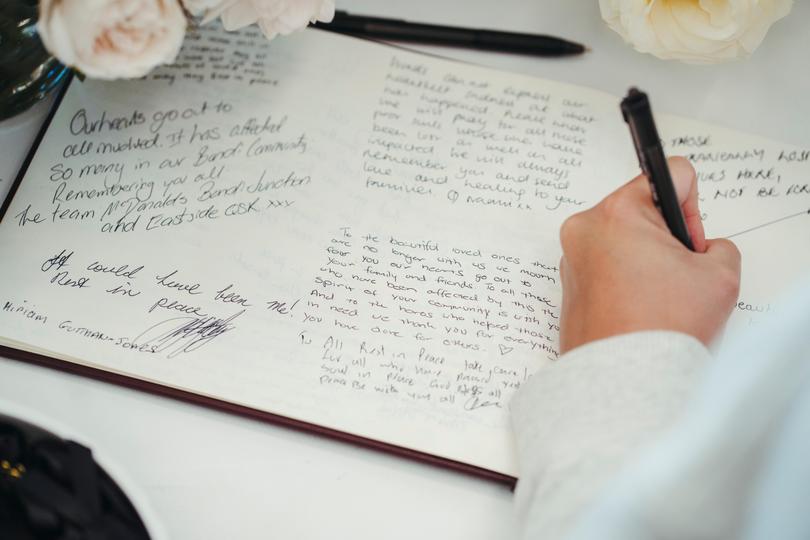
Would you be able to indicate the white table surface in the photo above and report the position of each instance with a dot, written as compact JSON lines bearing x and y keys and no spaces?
{"x":200,"y":474}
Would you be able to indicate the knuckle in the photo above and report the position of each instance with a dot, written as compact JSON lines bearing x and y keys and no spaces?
{"x":570,"y":230}
{"x":731,"y":254}
{"x":728,"y":284}
{"x":615,"y":206}
{"x":735,"y":252}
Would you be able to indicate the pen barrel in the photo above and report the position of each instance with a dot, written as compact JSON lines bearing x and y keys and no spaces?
{"x":420,"y":33}
{"x":655,"y":167}
{"x":431,"y":34}
{"x":525,"y":44}
{"x":638,"y":115}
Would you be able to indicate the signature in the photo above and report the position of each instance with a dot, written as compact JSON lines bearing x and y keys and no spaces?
{"x":475,"y":402}
{"x":59,"y":260}
{"x":180,"y":335}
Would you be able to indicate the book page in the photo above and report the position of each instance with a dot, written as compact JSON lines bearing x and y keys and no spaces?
{"x":756,"y":192}
{"x":327,"y":229}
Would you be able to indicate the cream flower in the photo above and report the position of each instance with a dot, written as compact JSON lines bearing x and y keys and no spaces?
{"x":108,"y":39}
{"x":695,"y":31}
{"x":274,"y":16}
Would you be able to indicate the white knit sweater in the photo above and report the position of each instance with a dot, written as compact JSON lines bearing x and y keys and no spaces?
{"x":646,"y":436}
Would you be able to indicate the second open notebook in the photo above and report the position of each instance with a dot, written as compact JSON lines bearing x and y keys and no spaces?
{"x":343,"y":233}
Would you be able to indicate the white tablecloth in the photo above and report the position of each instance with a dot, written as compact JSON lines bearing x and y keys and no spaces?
{"x":199,"y":474}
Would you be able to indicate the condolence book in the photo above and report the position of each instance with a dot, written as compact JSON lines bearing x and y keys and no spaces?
{"x":343,"y":236}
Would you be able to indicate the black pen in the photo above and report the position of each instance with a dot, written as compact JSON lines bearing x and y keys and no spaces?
{"x":432,"y":34}
{"x":638,"y":115}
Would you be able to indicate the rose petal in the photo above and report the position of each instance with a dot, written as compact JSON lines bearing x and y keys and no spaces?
{"x":113,"y":38}
{"x":698,"y":31}
{"x":238,"y":15}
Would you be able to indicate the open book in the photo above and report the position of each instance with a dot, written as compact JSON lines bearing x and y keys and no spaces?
{"x":344,"y":236}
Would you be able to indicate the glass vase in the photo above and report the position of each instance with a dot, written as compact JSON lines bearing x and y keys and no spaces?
{"x":27,"y":71}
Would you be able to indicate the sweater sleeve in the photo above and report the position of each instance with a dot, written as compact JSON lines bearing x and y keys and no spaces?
{"x":577,"y":421}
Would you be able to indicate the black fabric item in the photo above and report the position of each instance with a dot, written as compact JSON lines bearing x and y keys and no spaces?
{"x":52,"y":489}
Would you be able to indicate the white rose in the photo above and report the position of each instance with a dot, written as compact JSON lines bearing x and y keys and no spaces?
{"x":274,"y":16}
{"x":696,"y":31}
{"x":108,"y":39}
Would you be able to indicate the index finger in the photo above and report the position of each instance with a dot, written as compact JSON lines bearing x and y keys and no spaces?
{"x":684,"y":179}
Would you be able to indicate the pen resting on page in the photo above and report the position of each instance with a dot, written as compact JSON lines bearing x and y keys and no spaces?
{"x":433,"y":34}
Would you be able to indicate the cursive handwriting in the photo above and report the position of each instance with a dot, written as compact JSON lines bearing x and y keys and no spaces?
{"x":59,"y":260}
{"x":475,"y":402}
{"x":180,"y":335}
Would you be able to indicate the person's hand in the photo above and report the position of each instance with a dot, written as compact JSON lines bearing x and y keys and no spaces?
{"x":623,"y":271}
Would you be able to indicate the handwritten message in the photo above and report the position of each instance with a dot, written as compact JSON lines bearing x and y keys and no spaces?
{"x":370,"y":246}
